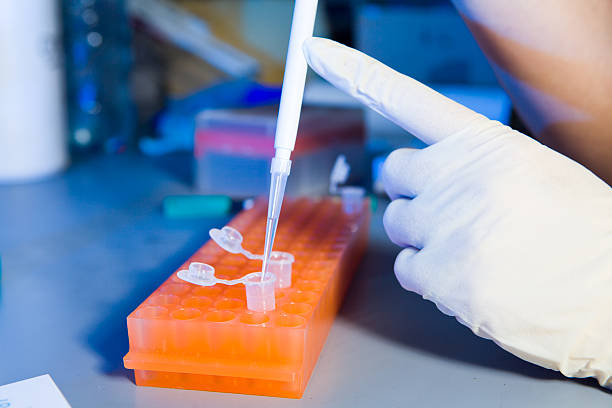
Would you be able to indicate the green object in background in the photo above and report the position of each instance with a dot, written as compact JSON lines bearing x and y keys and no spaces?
{"x":373,"y":203}
{"x":199,"y":206}
{"x":203,"y":206}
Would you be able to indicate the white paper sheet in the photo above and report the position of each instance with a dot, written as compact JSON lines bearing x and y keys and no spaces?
{"x":37,"y":392}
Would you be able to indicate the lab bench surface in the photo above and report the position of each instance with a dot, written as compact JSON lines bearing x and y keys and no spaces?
{"x":81,"y":250}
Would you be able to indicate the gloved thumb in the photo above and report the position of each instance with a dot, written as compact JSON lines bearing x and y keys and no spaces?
{"x":415,"y":107}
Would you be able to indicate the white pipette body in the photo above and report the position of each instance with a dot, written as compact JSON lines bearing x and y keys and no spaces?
{"x":302,"y":26}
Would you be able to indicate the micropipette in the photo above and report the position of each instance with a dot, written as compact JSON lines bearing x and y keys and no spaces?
{"x":292,"y":92}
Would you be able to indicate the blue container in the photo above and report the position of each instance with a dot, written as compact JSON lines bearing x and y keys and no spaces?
{"x":97,"y":41}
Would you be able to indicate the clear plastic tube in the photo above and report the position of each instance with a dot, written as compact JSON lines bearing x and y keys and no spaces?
{"x":259,"y":286}
{"x":279,"y":263}
{"x":260,"y":291}
{"x":352,"y":199}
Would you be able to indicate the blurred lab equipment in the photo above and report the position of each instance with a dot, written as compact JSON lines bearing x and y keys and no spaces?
{"x":202,"y":206}
{"x":429,"y":42}
{"x":197,"y":47}
{"x":233,"y":149}
{"x":97,"y":39}
{"x":339,"y":174}
{"x":32,"y":123}
{"x":193,"y":35}
{"x":352,"y":196}
{"x":175,"y":124}
{"x":204,"y":62}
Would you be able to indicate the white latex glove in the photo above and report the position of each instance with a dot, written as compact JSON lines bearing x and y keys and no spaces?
{"x":505,"y":234}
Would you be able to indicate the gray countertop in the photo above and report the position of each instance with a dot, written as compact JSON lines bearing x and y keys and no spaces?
{"x":81,"y":250}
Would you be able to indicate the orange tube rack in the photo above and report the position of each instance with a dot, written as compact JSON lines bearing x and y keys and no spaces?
{"x":204,"y":338}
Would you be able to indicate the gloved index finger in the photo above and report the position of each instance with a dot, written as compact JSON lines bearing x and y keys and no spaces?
{"x":415,"y":107}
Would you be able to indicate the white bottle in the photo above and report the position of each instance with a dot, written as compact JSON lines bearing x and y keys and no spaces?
{"x":33,"y":142}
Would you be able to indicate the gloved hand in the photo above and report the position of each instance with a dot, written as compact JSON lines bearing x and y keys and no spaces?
{"x":505,"y":234}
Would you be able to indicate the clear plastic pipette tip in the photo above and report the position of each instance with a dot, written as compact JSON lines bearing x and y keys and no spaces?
{"x":271,"y":225}
{"x":277,"y":192}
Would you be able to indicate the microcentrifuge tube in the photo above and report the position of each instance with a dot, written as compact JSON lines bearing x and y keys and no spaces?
{"x":280,"y":263}
{"x":259,"y":292}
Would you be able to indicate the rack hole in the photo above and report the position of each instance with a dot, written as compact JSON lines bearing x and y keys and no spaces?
{"x":220,"y":316}
{"x":254,"y":318}
{"x":197,"y":301}
{"x":290,"y":320}
{"x":297,"y":308}
{"x":186,"y":314}
{"x":225,"y":304}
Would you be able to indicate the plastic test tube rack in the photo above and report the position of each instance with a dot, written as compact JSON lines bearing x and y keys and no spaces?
{"x":204,"y":338}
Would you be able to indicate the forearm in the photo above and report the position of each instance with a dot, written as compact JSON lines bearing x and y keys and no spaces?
{"x":554,"y":57}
